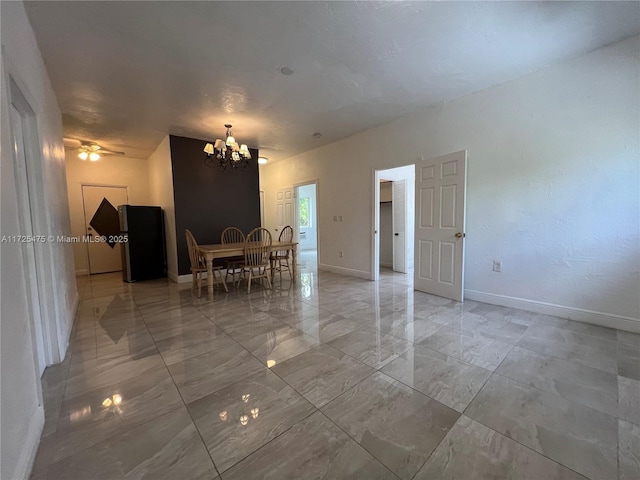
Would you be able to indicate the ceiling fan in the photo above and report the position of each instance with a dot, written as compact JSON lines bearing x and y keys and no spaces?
{"x":89,"y":150}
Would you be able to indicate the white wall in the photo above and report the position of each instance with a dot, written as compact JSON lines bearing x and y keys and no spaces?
{"x":132,"y":173}
{"x":311,"y":242}
{"x":22,"y":412}
{"x":161,"y":193}
{"x":552,"y":186}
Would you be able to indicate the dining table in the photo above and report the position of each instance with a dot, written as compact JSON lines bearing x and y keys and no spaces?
{"x":225,"y":250}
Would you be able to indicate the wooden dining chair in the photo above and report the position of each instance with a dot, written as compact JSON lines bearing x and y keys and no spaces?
{"x":199,"y":266}
{"x":280,"y":258}
{"x":233,"y":264}
{"x":256,"y":264}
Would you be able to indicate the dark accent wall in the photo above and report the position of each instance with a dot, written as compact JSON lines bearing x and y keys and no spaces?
{"x":208,"y":200}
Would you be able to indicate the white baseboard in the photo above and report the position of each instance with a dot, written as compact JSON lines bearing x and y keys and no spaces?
{"x":64,"y":342}
{"x":188,"y":278}
{"x":74,"y":309}
{"x":173,"y":277}
{"x":345,"y":271}
{"x":30,"y":445}
{"x":628,"y":324}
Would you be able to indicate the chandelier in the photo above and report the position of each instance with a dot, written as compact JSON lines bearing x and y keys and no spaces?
{"x":227,"y":153}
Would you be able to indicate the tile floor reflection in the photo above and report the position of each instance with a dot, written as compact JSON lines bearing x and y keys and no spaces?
{"x":334,"y":377}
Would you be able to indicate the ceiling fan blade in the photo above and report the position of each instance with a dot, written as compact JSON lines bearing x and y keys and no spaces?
{"x":104,"y":151}
{"x":72,"y":142}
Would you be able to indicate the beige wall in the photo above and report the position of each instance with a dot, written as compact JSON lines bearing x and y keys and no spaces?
{"x":161,"y":191}
{"x":385,"y":192}
{"x":552,"y":186}
{"x":132,"y":173}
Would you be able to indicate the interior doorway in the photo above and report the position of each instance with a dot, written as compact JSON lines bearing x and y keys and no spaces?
{"x":32,"y":221}
{"x":306,"y":225}
{"x":394,"y":199}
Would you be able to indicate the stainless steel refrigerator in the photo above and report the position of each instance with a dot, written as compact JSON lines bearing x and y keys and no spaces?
{"x":144,"y":252}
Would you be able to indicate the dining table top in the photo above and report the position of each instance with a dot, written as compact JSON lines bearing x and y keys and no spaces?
{"x":238,"y":248}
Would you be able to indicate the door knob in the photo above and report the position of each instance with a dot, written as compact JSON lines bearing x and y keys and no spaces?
{"x":396,"y":234}
{"x":460,"y":235}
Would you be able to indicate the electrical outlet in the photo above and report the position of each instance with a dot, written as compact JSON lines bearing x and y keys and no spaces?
{"x":340,"y":253}
{"x":335,"y":218}
{"x":340,"y":217}
{"x":497,"y":266}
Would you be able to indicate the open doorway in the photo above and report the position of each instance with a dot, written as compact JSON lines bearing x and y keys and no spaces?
{"x":394,"y":221}
{"x":306,"y":225}
{"x":39,"y":276}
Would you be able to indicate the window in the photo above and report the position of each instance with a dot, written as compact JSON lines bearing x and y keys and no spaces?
{"x":304,"y":209}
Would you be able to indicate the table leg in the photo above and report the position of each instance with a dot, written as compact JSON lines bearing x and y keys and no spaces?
{"x":293,"y":259}
{"x":210,"y":279}
{"x":272,"y":266}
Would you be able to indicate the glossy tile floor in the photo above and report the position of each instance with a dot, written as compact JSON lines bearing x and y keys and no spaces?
{"x":334,"y":377}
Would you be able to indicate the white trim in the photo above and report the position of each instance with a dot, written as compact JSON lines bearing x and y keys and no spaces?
{"x":30,"y":444}
{"x":375,"y":226}
{"x":629,"y":324}
{"x":93,"y":184}
{"x":173,"y":277}
{"x":65,"y":338}
{"x":261,"y":198}
{"x":74,"y":309}
{"x":345,"y":271}
{"x":188,"y":278}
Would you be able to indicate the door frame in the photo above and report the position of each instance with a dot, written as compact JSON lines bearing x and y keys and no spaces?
{"x":45,"y":327}
{"x":296,"y":223}
{"x":84,"y":213}
{"x":375,"y":221}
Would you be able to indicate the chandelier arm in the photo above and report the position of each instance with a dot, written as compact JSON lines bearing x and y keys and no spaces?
{"x":228,"y":154}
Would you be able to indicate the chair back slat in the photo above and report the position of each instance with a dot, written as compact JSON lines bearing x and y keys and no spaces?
{"x":257,"y":247}
{"x":286,"y":235}
{"x":192,"y":245}
{"x":232,"y":235}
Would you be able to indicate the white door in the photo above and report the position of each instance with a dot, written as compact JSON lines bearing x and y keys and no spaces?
{"x":284,"y":209}
{"x":101,"y":220}
{"x":399,"y":206}
{"x":439,"y":226}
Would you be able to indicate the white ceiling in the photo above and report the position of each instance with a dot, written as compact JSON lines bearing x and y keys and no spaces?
{"x":128,"y":73}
